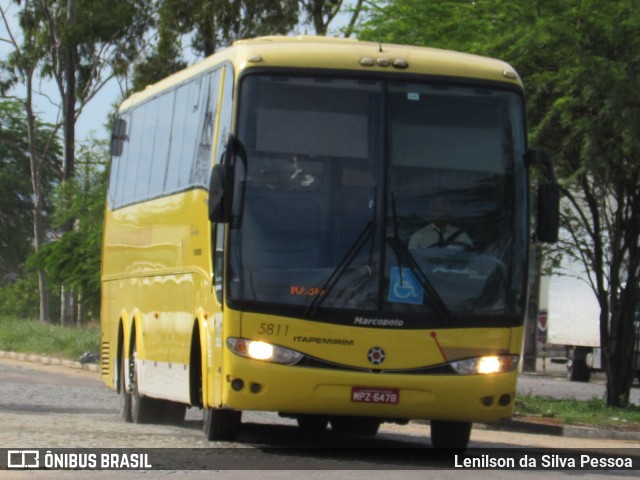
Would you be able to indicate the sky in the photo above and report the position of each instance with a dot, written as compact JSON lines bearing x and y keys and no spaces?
{"x":94,"y":116}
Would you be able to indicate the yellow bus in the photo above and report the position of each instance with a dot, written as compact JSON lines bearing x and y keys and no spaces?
{"x":269,"y":246}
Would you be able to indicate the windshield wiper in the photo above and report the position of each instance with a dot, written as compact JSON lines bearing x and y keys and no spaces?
{"x":365,"y":235}
{"x":404,"y":257}
{"x":352,"y":253}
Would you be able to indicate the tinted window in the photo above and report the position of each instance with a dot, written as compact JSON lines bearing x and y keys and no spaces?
{"x":168,"y":143}
{"x":349,"y":180}
{"x":158,"y":114}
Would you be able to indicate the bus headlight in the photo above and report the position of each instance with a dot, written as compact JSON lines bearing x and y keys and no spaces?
{"x":486,"y":365}
{"x":266,"y":352}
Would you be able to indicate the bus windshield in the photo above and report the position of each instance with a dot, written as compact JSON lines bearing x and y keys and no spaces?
{"x":380,"y":198}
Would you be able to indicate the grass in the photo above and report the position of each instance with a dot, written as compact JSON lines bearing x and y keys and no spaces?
{"x":26,"y":336}
{"x":578,"y":412}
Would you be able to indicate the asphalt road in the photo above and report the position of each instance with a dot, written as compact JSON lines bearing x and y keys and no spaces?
{"x":52,"y":407}
{"x":550,"y":381}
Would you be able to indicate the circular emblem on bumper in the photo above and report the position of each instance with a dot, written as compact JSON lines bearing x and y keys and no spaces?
{"x":376,"y":356}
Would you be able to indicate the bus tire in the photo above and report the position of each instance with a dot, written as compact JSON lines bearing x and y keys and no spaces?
{"x":450,"y":435}
{"x":221,"y":424}
{"x":173,"y":413}
{"x":313,"y":423}
{"x":125,"y":396}
{"x":143,"y":409}
{"x":366,"y":426}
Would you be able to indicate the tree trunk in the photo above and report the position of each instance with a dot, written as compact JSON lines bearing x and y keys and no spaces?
{"x":618,"y":353}
{"x":69,"y":139}
{"x":81,"y":310}
{"x":66,"y":306}
{"x":36,"y":184}
{"x":319,"y":24}
{"x":69,"y":96}
{"x":354,"y":18}
{"x":43,"y":289}
{"x":208,"y":31}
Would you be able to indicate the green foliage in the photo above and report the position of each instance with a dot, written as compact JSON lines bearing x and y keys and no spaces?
{"x":16,"y":190}
{"x":104,"y":38}
{"x":24,"y":336}
{"x":214,"y":24}
{"x":320,"y":13}
{"x":211,"y":24}
{"x":73,"y":259}
{"x":590,"y":412}
{"x":20,"y":298}
{"x":581,"y":61}
{"x":453,"y":24}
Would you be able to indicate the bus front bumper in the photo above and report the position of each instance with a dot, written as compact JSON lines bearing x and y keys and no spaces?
{"x":256,"y":385}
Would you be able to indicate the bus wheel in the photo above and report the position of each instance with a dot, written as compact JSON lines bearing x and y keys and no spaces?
{"x":220,"y":424}
{"x":125,"y":396}
{"x":451,"y":435}
{"x":367,"y":426}
{"x":143,"y":409}
{"x":172,"y":412}
{"x":313,"y":423}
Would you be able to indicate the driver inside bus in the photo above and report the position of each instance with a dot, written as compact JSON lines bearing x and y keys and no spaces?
{"x":440,"y":233}
{"x":285,"y":174}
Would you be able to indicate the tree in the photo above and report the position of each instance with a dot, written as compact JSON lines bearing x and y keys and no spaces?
{"x":16,"y":217}
{"x":580,"y":61}
{"x":213,"y":24}
{"x":15,"y":189}
{"x":20,"y":67}
{"x":19,"y":294}
{"x":462,"y":25}
{"x":165,"y":57}
{"x":320,"y":13}
{"x":591,"y":121}
{"x":74,"y":258}
{"x":80,"y":45}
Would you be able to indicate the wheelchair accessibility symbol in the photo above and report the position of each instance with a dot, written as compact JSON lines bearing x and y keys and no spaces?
{"x":404,"y":287}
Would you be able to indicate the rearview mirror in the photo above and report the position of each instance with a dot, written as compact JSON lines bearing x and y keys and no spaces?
{"x":219,"y":212}
{"x":222,"y":182}
{"x":548,"y":212}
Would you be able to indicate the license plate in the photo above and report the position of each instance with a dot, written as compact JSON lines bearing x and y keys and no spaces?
{"x":375,"y":395}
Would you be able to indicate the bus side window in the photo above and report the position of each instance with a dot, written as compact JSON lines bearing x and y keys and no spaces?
{"x":225,"y":109}
{"x":158,"y":140}
{"x":119,"y":152}
{"x":207,"y":112}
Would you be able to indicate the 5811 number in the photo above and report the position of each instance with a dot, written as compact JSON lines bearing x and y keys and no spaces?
{"x":273,"y":329}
